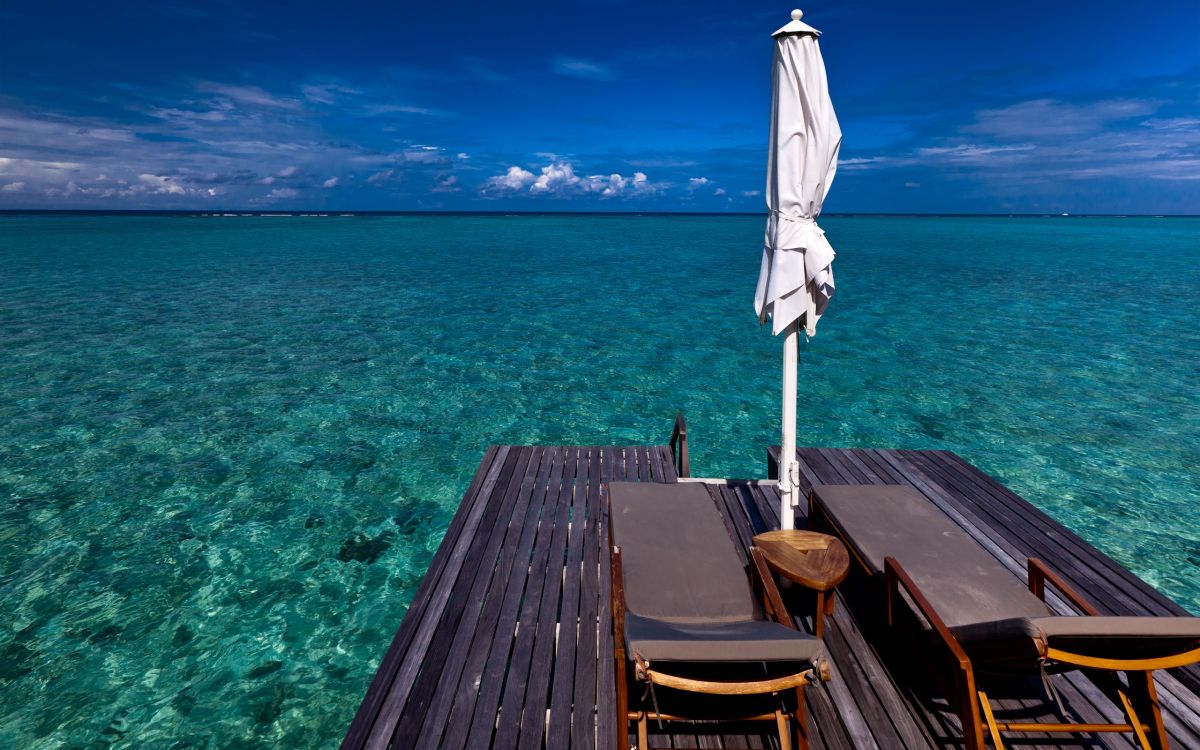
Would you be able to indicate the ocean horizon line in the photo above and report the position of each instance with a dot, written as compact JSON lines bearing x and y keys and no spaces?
{"x":350,"y":212}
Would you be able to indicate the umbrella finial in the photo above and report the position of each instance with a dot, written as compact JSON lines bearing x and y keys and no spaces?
{"x":796,"y":26}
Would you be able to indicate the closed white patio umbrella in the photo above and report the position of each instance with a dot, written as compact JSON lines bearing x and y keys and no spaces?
{"x":796,"y":278}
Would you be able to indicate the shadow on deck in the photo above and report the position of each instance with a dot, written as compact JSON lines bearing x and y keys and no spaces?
{"x":507,"y":642}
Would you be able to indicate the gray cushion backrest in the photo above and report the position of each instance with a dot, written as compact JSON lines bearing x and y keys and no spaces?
{"x":679,"y":561}
{"x":963,"y":582}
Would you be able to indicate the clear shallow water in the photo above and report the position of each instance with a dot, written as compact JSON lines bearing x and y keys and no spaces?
{"x":231,"y":446}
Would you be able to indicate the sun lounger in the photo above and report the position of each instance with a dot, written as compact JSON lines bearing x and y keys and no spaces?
{"x":988,"y":620}
{"x":686,"y":616}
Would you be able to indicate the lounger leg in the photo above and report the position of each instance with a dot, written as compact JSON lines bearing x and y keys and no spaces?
{"x":643,"y":735}
{"x":991,"y":721}
{"x":801,"y":720}
{"x":819,"y":615}
{"x":1145,"y":698}
{"x":972,"y":724}
{"x":781,"y":723}
{"x":622,"y":705}
{"x":1143,"y":740}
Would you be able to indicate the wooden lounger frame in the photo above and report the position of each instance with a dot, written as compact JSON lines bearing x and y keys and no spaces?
{"x":773,"y":604}
{"x":1140,"y":699}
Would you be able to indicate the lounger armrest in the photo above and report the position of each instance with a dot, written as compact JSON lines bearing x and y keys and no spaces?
{"x":895,"y":578}
{"x":1039,"y":573}
{"x":770,"y":592}
{"x":618,"y":604}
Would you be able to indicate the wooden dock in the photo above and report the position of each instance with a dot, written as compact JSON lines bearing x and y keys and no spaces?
{"x":507,"y":642}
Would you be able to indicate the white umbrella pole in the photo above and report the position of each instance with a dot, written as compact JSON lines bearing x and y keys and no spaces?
{"x":787,"y":455}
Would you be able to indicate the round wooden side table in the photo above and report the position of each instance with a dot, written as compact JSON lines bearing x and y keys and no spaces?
{"x":814,"y":560}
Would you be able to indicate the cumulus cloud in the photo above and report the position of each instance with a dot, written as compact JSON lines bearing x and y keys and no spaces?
{"x":511,"y":181}
{"x":697,"y":182}
{"x":332,"y":182}
{"x":13,"y":187}
{"x":555,"y":178}
{"x":559,"y":179}
{"x":289,"y":171}
{"x":282,"y":193}
{"x":751,"y":193}
{"x":719,"y":191}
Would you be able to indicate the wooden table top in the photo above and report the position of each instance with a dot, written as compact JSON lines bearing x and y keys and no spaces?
{"x":811,"y":559}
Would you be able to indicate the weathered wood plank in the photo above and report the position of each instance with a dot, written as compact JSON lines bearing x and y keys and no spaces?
{"x":533,"y":720}
{"x":489,"y":469}
{"x":558,"y":731}
{"x":381,"y":732}
{"x":584,"y":719}
{"x":516,"y":613}
{"x":445,"y":657}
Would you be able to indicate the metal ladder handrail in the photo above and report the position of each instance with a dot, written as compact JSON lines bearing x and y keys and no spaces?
{"x":679,"y":447}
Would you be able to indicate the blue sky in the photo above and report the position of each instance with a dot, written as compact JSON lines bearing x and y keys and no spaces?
{"x":592,"y":105}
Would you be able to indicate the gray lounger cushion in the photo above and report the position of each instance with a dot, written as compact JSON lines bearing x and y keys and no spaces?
{"x":747,"y":640}
{"x":680,"y":564}
{"x":687,"y":593}
{"x":964,"y":583}
{"x":977,"y":597}
{"x":1111,"y":637}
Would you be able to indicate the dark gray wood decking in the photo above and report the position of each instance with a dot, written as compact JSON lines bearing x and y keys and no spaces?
{"x":506,"y":643}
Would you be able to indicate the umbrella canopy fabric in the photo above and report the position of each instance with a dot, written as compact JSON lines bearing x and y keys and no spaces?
{"x":796,"y":278}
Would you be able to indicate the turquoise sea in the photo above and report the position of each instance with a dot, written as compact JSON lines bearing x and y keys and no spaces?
{"x":230,"y":446}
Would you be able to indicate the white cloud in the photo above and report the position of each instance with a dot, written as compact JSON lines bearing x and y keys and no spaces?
{"x":559,"y":179}
{"x":13,"y":187}
{"x":858,"y":163}
{"x":608,"y":187}
{"x":378,"y":110}
{"x":422,"y":155}
{"x":282,"y":193}
{"x":161,"y":184}
{"x":463,"y":155}
{"x":555,"y":178}
{"x":697,"y":182}
{"x":287,"y":172}
{"x":252,"y":95}
{"x":379,"y":177}
{"x":446,"y":184}
{"x":12,"y":167}
{"x":912,"y":185}
{"x":511,"y":181}
{"x":719,"y":191}
{"x":970,"y":150}
{"x":175,"y":114}
{"x":751,"y":193}
{"x":332,"y":182}
{"x":1049,"y":118}
{"x":327,"y":93}
{"x":576,"y":67}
